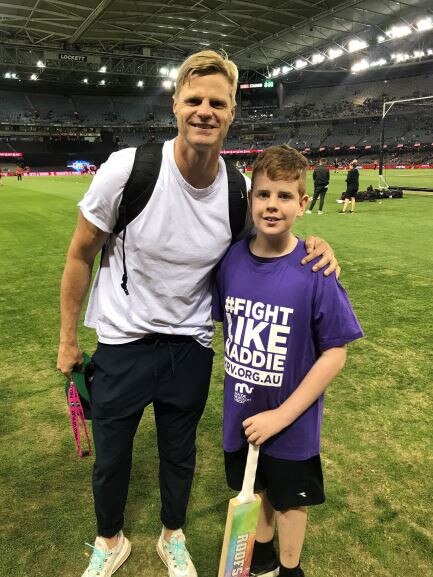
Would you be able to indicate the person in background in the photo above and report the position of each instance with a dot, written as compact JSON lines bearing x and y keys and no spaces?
{"x":352,"y":187}
{"x":321,"y":183}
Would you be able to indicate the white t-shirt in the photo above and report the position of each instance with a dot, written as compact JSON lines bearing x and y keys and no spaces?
{"x":171,"y":248}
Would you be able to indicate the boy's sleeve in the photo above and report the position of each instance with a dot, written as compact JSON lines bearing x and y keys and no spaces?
{"x":217,"y":296}
{"x":334,"y":320}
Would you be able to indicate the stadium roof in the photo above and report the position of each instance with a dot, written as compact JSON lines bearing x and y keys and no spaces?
{"x":137,"y":37}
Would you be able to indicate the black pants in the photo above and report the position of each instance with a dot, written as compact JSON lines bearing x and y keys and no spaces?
{"x":319,"y":191}
{"x":171,"y":372}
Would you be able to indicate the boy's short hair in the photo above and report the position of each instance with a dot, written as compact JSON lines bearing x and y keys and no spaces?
{"x":207,"y":62}
{"x":282,"y":163}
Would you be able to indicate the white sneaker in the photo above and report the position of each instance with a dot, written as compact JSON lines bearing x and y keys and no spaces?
{"x":320,"y":212}
{"x":104,"y":561}
{"x":175,"y":556}
{"x":308,"y":212}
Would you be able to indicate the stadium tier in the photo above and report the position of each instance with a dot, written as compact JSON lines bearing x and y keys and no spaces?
{"x":341,"y":120}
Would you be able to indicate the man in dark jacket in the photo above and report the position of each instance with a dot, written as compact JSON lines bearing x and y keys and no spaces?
{"x":352,"y":186}
{"x":321,"y":182}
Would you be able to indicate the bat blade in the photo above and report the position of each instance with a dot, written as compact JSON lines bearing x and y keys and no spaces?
{"x":239,"y":537}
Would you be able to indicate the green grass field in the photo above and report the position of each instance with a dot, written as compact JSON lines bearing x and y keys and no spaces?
{"x":377,"y":435}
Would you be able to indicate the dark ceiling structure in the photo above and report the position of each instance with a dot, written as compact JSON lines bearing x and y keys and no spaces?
{"x":133,"y":39}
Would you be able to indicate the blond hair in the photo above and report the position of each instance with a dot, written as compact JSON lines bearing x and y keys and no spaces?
{"x":282,"y":163}
{"x":207,"y":62}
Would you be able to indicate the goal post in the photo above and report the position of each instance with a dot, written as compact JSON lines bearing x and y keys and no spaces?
{"x":387,"y":106}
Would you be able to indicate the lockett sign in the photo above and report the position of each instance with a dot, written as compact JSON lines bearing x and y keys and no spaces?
{"x":72,"y":57}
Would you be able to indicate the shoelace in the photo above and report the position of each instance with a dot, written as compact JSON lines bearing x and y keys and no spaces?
{"x":178,"y":552}
{"x":97,"y":559}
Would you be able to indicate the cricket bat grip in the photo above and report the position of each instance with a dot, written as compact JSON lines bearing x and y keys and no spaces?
{"x":247,"y":492}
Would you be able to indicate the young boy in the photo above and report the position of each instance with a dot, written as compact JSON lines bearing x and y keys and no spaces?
{"x":285,"y":333}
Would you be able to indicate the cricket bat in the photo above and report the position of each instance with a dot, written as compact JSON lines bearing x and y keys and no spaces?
{"x":242,"y":518}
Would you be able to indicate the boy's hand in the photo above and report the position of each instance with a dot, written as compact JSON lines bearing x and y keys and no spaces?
{"x":316,"y":246}
{"x":259,"y":428}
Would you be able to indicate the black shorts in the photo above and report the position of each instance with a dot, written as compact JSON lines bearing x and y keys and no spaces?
{"x":287,"y":483}
{"x":349,"y":194}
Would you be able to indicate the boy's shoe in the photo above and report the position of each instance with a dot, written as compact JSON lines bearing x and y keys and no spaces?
{"x":271,"y":569}
{"x":104,"y":561}
{"x":320,"y":212}
{"x":308,"y":212}
{"x":175,"y":556}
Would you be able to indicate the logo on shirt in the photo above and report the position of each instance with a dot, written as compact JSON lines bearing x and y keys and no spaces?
{"x":257,"y":341}
{"x":242,"y":390}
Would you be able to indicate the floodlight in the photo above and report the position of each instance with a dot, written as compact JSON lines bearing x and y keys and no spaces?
{"x":173,"y":73}
{"x":276,"y":72}
{"x":317,"y":58}
{"x":334,"y":53}
{"x":102,"y":82}
{"x":399,"y":31}
{"x":381,"y":39}
{"x":360,"y":65}
{"x":356,"y":44}
{"x":167,"y":84}
{"x":33,"y":77}
{"x":163,"y":71}
{"x":400,"y":57}
{"x":424,"y":24}
{"x":40,"y":64}
{"x":85,"y":80}
{"x":286,"y":69}
{"x":103,"y":69}
{"x":380,"y":62}
{"x":140,"y":84}
{"x":300,"y":63}
{"x":418,"y":53}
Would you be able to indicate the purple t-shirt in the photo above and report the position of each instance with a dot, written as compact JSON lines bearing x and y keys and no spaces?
{"x":278,"y":316}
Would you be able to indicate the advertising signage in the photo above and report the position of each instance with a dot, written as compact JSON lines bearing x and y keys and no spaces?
{"x":265,"y":84}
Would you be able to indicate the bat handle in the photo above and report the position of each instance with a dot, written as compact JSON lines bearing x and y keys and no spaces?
{"x":247,"y":493}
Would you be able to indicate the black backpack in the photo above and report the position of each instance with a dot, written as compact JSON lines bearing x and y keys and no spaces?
{"x":142,"y":181}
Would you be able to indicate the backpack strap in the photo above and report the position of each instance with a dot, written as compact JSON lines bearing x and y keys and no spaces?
{"x":238,"y":201}
{"x":140,"y":184}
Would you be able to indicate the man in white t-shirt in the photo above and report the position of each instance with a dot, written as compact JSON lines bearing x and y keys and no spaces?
{"x":154,"y":343}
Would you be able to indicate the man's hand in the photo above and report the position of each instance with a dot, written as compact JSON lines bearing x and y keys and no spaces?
{"x":259,"y":428}
{"x":69,"y":356}
{"x":318,"y":247}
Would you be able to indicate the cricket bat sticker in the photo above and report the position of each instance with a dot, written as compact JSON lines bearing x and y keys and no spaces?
{"x":242,"y":518}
